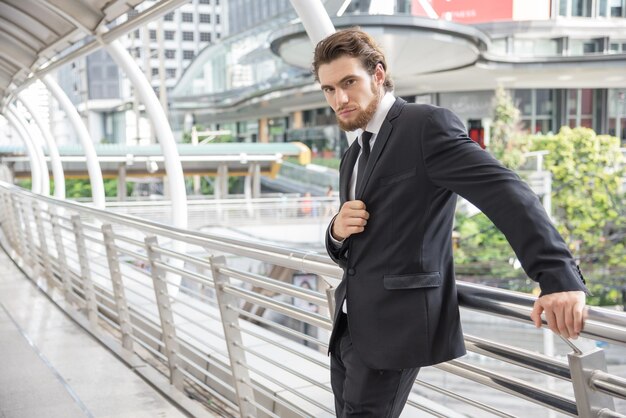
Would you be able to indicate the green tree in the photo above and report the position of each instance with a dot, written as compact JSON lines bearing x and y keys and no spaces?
{"x":506,"y":143}
{"x":588,"y":199}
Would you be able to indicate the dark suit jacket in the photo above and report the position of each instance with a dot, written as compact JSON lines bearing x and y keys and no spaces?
{"x":399,"y":274}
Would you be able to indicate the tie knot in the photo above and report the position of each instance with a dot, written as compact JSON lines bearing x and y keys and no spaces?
{"x":365,"y":140}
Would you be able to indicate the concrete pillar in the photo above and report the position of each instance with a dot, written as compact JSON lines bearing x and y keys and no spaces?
{"x":263,"y":131}
{"x":298,"y":120}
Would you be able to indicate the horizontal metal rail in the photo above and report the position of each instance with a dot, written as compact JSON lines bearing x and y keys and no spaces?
{"x":203,"y":336}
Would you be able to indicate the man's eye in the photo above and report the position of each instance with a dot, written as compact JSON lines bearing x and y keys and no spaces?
{"x":327,"y":90}
{"x":350,"y":82}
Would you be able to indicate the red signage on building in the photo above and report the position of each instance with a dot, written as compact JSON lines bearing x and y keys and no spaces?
{"x":466,"y":11}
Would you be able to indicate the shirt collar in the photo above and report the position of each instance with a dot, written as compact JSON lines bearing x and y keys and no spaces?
{"x":377,"y":120}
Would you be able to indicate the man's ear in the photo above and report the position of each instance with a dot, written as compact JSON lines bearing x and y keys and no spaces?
{"x":380,"y":74}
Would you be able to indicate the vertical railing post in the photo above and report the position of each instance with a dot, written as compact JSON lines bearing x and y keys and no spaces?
{"x":29,"y":255}
{"x":165,"y":313}
{"x":85,"y":271}
{"x":232,"y":334}
{"x":45,"y":255}
{"x":588,"y":400}
{"x":19,"y":233}
{"x":123,"y":314}
{"x":9,"y":220}
{"x":64,"y":271}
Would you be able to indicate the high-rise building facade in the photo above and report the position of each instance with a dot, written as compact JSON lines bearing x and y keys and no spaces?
{"x":163,"y":49}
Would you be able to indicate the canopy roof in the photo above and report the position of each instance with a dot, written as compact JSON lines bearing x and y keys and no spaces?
{"x":38,"y":36}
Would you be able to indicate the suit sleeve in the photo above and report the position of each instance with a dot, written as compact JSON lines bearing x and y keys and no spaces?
{"x":455,"y":162}
{"x":336,"y":253}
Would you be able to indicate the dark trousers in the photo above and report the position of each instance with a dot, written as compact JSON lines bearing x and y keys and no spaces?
{"x":363,"y":392}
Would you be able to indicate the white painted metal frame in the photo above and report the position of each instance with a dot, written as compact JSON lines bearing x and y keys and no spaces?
{"x":36,"y":174}
{"x":53,"y":151}
{"x":93,"y":165}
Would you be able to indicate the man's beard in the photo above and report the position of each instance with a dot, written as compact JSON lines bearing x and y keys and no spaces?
{"x":364,"y":116}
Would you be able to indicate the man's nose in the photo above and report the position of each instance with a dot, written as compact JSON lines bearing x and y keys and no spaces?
{"x":341,"y":98}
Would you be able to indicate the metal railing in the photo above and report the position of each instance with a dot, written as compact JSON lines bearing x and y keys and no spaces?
{"x":223,"y":321}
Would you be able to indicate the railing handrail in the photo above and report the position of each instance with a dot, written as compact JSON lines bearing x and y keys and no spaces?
{"x":157,"y":258}
{"x":506,"y":303}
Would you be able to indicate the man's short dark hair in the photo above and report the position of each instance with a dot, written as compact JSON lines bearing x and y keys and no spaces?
{"x":352,"y":42}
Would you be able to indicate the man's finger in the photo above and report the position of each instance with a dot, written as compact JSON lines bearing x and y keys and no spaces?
{"x":535,"y":315}
{"x":552,"y":321}
{"x":355,"y":204}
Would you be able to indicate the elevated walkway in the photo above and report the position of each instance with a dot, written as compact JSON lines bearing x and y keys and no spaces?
{"x":51,"y":367}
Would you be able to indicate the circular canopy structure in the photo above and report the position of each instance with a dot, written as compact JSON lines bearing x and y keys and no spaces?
{"x":412,"y":45}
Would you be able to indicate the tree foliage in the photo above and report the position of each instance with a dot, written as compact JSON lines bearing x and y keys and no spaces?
{"x":507,"y":143}
{"x":588,"y":198}
{"x":588,"y":201}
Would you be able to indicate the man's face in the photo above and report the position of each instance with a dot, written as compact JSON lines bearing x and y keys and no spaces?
{"x":351,"y":92}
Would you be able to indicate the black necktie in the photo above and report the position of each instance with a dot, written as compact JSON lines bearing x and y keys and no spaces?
{"x":365,"y":155}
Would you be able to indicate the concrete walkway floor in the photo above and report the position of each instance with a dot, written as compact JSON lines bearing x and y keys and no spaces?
{"x":50,"y":367}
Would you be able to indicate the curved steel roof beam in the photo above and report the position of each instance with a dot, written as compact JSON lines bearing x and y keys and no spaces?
{"x":53,"y":151}
{"x":37,"y":149}
{"x":20,"y":33}
{"x":17,"y":52}
{"x":37,"y":27}
{"x":77,"y":12}
{"x":35,"y":167}
{"x":93,"y":166}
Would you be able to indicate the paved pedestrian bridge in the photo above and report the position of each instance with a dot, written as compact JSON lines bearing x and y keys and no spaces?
{"x":111,"y":314}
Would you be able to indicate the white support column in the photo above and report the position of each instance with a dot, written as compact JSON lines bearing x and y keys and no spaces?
{"x":173,"y":166}
{"x":314,"y":18}
{"x":35,"y":167}
{"x":93,"y":165}
{"x":38,"y":149}
{"x":53,"y":151}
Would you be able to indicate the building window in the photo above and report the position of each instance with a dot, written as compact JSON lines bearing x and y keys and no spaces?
{"x":169,"y":35}
{"x":585,"y":46}
{"x":205,"y":37}
{"x":132,"y":13}
{"x":152,"y":35}
{"x":170,"y":53}
{"x":580,"y":105}
{"x":204,"y":2}
{"x":611,"y":8}
{"x":188,"y":55}
{"x":155,"y":72}
{"x":576,"y":8}
{"x":537,"y":110}
{"x":205,"y":18}
{"x":218,"y":35}
{"x":187,"y":36}
{"x":617,"y":46}
{"x":187,"y":17}
{"x":169,"y":17}
{"x":170,"y":73}
{"x":535,"y":47}
{"x":217,"y":19}
{"x":617,"y":114}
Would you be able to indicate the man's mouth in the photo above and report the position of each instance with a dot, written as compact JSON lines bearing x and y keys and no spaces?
{"x":345,"y":112}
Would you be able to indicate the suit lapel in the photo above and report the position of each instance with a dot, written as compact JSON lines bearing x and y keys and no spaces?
{"x":347,"y":168}
{"x":379,"y":144}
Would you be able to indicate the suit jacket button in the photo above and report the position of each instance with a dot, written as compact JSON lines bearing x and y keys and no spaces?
{"x":351,"y":272}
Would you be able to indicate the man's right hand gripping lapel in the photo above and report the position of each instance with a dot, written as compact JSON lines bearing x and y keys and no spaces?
{"x":351,"y":219}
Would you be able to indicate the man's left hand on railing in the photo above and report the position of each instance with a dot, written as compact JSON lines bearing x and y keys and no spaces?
{"x":565,"y":312}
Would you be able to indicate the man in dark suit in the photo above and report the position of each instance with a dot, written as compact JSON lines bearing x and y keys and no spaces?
{"x":397,"y":305}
